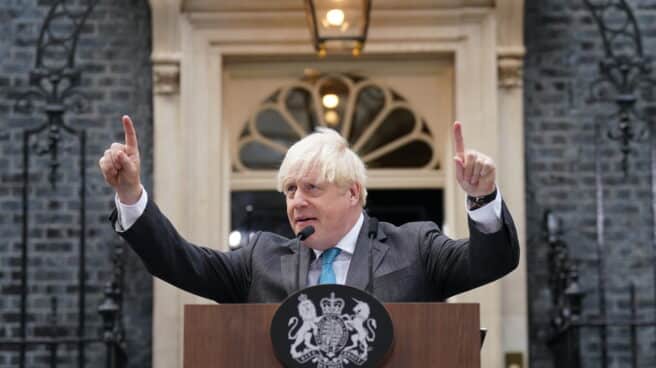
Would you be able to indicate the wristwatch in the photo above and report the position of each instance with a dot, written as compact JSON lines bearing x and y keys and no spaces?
{"x":475,"y":203}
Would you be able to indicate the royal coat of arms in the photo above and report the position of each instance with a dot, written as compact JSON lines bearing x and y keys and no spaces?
{"x":332,"y":339}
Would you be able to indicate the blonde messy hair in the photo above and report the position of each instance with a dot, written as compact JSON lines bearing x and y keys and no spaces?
{"x":328,"y":152}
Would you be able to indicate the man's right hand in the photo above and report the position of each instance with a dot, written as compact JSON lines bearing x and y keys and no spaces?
{"x":121,"y":167}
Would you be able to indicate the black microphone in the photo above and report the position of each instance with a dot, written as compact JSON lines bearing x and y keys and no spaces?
{"x":305,"y":233}
{"x":302,"y":235}
{"x":373,"y":231}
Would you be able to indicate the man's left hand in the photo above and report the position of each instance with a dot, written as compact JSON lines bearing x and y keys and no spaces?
{"x":475,"y":172}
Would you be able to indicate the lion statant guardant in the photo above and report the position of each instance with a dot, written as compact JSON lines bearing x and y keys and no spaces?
{"x":304,"y":334}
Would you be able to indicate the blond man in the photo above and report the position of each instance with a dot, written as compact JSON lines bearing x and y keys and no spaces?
{"x":324,"y":184}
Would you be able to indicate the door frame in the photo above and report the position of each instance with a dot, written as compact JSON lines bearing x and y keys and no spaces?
{"x":191,"y":154}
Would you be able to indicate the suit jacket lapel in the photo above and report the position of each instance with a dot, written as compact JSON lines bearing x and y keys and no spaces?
{"x":358,"y":273}
{"x":288,"y":267}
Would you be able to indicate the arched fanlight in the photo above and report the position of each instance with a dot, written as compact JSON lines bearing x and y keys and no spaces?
{"x":378,"y":122}
{"x":338,"y":26}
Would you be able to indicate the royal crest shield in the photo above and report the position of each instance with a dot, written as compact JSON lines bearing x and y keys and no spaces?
{"x":331,"y":326}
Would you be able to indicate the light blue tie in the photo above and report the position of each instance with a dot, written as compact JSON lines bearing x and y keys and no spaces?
{"x":327,"y":273}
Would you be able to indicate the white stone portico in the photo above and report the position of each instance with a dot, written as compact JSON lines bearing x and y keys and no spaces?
{"x":192,"y":40}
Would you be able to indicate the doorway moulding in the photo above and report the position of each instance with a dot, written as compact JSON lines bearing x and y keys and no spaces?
{"x":192,"y":173}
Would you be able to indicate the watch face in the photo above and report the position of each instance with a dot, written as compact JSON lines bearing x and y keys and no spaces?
{"x":478,"y":202}
{"x":331,"y":326}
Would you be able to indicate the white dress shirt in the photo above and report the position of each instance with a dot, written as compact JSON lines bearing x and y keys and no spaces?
{"x":343,"y":259}
{"x":487,"y":219}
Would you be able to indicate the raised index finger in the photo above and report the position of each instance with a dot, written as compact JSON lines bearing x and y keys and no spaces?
{"x":130,"y":133}
{"x":458,"y":140}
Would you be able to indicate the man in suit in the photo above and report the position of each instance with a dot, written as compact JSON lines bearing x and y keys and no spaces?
{"x":324,"y":183}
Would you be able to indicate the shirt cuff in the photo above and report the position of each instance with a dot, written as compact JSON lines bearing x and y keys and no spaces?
{"x":128,"y":214}
{"x":487,"y":218}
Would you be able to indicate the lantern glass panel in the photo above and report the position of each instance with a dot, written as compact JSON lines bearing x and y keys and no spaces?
{"x":340,"y":19}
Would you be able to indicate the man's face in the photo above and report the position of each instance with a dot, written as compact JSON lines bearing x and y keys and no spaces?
{"x":330,"y":209}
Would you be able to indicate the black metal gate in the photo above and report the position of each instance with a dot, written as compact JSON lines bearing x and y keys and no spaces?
{"x":625,"y":72}
{"x":53,"y":89}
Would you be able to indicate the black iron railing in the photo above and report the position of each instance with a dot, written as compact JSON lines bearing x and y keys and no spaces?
{"x":54,"y":90}
{"x":625,"y":70}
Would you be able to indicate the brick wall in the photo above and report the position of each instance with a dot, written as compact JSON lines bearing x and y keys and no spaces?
{"x":563,"y":48}
{"x":113,"y":53}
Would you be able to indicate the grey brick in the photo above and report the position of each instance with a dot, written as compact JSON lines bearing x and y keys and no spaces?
{"x":107,"y":60}
{"x":563,"y":51}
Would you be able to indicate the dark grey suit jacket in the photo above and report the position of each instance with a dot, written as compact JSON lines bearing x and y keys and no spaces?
{"x":413,"y":262}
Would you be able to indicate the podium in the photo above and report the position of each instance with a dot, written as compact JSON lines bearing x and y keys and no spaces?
{"x":425,"y":335}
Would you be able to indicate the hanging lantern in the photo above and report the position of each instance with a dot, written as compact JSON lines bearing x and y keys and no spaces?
{"x":338,"y":26}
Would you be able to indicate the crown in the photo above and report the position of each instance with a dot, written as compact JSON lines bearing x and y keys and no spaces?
{"x":332,"y":305}
{"x":302,"y":298}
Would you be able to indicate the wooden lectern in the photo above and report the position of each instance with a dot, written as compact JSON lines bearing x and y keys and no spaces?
{"x":425,"y":335}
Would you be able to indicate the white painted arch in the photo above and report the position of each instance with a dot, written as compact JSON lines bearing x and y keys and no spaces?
{"x":191,"y":41}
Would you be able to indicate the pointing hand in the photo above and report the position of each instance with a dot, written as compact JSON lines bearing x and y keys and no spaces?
{"x":475,"y":172}
{"x":120,"y":165}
